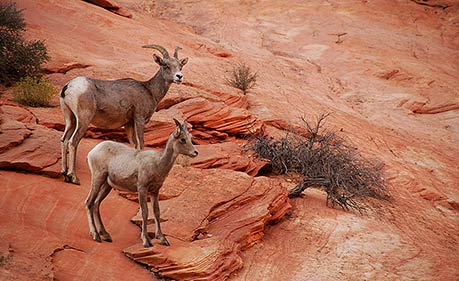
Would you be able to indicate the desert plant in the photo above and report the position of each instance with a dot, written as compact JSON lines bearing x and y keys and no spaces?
{"x":18,"y":58}
{"x":242,"y":78}
{"x":326,"y":162}
{"x":33,"y":91}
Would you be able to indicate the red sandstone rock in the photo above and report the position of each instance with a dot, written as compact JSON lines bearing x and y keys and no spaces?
{"x":228,"y":156}
{"x":303,"y":71}
{"x":215,"y":222}
{"x":12,"y":134}
{"x":203,"y":113}
{"x":236,"y":100}
{"x":15,"y":112}
{"x":63,"y":68}
{"x":106,"y":4}
{"x":112,"y":7}
{"x":38,"y":151}
{"x":44,"y":231}
{"x":423,"y":108}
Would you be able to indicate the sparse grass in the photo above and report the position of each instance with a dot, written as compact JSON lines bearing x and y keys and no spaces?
{"x":33,"y":91}
{"x":326,"y":162}
{"x":242,"y":78}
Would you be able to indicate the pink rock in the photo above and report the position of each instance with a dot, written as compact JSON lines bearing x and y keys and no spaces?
{"x":38,"y":151}
{"x":218,"y":116}
{"x":228,"y":155}
{"x":214,"y":223}
{"x":12,"y":134}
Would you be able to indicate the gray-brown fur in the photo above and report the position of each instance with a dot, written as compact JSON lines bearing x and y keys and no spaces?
{"x":111,"y":104}
{"x":117,"y":165}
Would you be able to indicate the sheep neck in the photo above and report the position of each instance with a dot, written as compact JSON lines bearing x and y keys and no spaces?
{"x":168,"y":154}
{"x":157,"y":86}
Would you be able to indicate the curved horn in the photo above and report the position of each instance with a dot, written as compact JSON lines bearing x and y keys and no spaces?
{"x":176,"y":52}
{"x":159,"y":48}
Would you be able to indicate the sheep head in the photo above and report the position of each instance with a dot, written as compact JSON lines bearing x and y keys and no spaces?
{"x":171,"y":67}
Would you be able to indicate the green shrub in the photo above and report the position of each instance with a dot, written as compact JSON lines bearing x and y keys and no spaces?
{"x":33,"y":91}
{"x":242,"y":78}
{"x":18,"y":58}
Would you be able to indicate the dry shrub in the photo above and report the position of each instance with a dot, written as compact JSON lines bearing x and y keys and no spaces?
{"x":33,"y":91}
{"x":326,"y":162}
{"x":242,"y":78}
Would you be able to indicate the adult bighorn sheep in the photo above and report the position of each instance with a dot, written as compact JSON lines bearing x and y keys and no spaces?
{"x":111,"y":104}
{"x":117,"y":165}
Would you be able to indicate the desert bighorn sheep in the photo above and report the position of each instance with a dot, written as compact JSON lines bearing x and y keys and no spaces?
{"x":113,"y":104}
{"x":117,"y":165}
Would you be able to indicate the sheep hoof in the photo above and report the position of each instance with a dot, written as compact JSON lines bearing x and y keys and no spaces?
{"x":66,"y":178}
{"x":164,"y":242}
{"x":74,"y":180}
{"x":147,"y":244}
{"x":71,"y":179}
{"x":96,"y":237}
{"x":106,"y":237}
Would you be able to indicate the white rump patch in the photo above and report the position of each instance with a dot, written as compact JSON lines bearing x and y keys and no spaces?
{"x":78,"y":86}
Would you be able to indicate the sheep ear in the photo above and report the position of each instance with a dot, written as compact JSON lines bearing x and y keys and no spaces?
{"x":178,"y":128}
{"x":184,"y":128}
{"x":177,"y":123}
{"x":158,"y":59}
{"x":177,"y":132}
{"x":183,"y":61}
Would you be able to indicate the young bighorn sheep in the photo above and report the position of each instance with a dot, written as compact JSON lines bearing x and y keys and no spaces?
{"x":113,"y":104}
{"x":117,"y":165}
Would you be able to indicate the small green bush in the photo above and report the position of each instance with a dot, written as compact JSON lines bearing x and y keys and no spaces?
{"x":242,"y":78}
{"x":18,"y":58}
{"x":33,"y":91}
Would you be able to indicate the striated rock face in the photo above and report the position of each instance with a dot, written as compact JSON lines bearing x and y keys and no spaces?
{"x":38,"y":153}
{"x":44,"y":231}
{"x":391,"y":89}
{"x":13,"y":133}
{"x":214,"y":223}
{"x":217,"y":116}
{"x":112,"y":6}
{"x":228,"y":155}
{"x":28,"y":146}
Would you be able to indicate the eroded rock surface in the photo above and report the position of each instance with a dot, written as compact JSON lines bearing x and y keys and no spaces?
{"x":27,"y":146}
{"x":391,"y":88}
{"x":215,"y":222}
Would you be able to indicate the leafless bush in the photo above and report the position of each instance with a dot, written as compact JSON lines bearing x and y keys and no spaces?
{"x":242,"y":78}
{"x":326,"y":162}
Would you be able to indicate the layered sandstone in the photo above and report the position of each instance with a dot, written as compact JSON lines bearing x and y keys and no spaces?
{"x":386,"y":71}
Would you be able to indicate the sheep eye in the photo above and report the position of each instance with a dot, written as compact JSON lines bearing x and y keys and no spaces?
{"x":182,"y":141}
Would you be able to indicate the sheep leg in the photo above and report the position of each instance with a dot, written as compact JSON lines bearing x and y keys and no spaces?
{"x":81,"y":127}
{"x":96,"y":182}
{"x":104,"y":191}
{"x":69,"y":118}
{"x":158,"y":233}
{"x":144,"y":210}
{"x":139,"y":125}
{"x":131,"y":133}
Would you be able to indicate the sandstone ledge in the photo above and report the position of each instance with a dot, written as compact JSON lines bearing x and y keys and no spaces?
{"x":208,"y":222}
